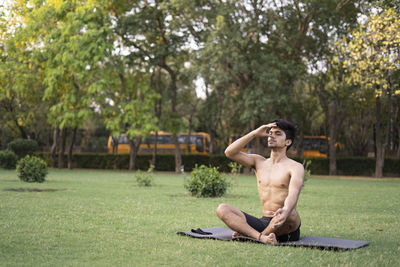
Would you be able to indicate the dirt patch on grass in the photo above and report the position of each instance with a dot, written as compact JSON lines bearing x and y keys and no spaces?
{"x":35,"y":190}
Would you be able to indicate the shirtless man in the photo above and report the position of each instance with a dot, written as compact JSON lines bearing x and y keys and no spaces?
{"x":279,"y":181}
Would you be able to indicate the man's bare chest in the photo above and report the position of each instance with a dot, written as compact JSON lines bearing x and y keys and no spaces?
{"x":273,"y":175}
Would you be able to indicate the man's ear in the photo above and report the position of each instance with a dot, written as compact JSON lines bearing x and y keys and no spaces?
{"x":288,"y":142}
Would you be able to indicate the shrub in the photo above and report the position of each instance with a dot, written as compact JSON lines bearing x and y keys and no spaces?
{"x":24,"y":147}
{"x":235,"y":168}
{"x":8,"y":159}
{"x":31,"y":169}
{"x":206,"y":182}
{"x":307,"y":171}
{"x":145,"y":178}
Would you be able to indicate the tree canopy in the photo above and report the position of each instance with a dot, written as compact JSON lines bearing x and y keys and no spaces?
{"x":134,"y":65}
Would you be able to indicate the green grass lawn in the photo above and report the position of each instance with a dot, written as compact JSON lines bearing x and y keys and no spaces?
{"x":93,"y":217}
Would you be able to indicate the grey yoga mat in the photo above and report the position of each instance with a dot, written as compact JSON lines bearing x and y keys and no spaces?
{"x":328,"y":243}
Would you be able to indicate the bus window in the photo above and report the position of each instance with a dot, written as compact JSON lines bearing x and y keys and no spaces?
{"x":150,"y":140}
{"x":182,"y":139}
{"x":123,"y":139}
{"x":164,"y":139}
{"x":323,"y":148}
{"x":199,"y":144}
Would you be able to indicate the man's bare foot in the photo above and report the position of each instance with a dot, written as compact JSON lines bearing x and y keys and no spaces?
{"x":269,"y":239}
{"x":236,"y":234}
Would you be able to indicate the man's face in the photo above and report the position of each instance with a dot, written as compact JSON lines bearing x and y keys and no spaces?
{"x":277,"y":138}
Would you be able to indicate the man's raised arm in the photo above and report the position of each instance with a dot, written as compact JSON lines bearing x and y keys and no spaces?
{"x":233,"y":151}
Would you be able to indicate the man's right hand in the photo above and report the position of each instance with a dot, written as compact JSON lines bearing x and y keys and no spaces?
{"x":263,"y":131}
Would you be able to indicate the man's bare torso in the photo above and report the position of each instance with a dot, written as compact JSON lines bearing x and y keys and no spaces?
{"x":273,"y":187}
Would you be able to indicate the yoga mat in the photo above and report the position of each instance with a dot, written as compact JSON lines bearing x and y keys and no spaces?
{"x":328,"y":243}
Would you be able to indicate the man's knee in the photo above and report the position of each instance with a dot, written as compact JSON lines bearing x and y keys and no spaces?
{"x":222,"y":210}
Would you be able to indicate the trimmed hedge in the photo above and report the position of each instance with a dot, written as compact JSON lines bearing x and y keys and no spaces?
{"x":166,"y":162}
{"x":23,"y":147}
{"x":8,"y":159}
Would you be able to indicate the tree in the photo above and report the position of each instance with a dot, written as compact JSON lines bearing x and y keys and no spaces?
{"x":257,"y":54}
{"x":154,"y":38}
{"x":336,"y":98}
{"x":373,"y":50}
{"x":129,"y":107}
{"x":307,"y":41}
{"x":21,"y":89}
{"x":72,"y":41}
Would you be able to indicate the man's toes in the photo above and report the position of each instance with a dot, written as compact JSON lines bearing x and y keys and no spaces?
{"x":269,"y":239}
{"x":272,"y":239}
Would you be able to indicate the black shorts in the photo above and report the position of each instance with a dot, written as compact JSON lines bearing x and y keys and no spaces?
{"x":260,"y":224}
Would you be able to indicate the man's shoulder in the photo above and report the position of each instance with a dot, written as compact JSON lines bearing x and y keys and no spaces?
{"x":295,"y":164}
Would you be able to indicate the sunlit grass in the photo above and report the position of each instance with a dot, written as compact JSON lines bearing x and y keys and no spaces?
{"x":91,"y":217}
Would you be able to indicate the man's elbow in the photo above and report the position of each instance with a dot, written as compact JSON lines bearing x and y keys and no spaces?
{"x":228,"y":153}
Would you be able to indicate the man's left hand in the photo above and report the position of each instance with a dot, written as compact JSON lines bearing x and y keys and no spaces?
{"x":281,"y":215}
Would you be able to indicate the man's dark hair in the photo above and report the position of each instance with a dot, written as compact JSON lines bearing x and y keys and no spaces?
{"x":288,"y":128}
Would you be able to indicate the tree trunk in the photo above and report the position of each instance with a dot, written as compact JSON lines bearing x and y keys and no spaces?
{"x":71,"y":146}
{"x":333,"y":129}
{"x":380,"y":149}
{"x":134,"y":148}
{"x":53,"y":149}
{"x":398,"y":142}
{"x":300,"y":147}
{"x":212,"y":141}
{"x":3,"y":137}
{"x":178,"y":156}
{"x":174,"y":100}
{"x":397,"y":122}
{"x":332,"y":153}
{"x":154,"y":158}
{"x":62,"y":148}
{"x":115,"y":145}
{"x":189,"y":134}
{"x":21,"y":129}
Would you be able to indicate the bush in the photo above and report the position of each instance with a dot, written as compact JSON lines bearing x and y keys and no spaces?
{"x":307,"y":171}
{"x":235,"y":168}
{"x":145,"y":178}
{"x":24,"y":147}
{"x":206,"y":182}
{"x":8,"y":159}
{"x":31,"y":169}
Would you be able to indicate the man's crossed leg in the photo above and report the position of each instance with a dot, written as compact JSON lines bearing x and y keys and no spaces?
{"x":236,"y":220}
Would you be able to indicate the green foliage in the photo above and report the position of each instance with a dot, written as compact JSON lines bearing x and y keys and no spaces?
{"x":8,"y":159}
{"x":235,"y":168}
{"x":307,"y":170}
{"x":31,"y":169}
{"x":206,"y":182}
{"x":145,"y":178}
{"x":24,"y":147}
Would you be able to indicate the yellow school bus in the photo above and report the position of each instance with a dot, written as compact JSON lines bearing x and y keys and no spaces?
{"x":195,"y":143}
{"x":315,"y":146}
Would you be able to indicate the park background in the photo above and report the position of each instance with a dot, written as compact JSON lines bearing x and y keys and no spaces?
{"x":73,"y":73}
